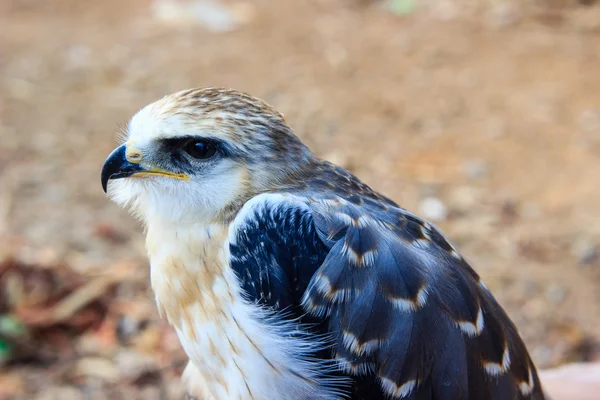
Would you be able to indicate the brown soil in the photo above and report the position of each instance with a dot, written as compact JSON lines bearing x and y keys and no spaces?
{"x":494,"y":110}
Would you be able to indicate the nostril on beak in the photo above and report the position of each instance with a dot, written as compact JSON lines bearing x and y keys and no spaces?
{"x":134,"y":156}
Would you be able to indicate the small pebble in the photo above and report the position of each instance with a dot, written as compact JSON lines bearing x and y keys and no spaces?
{"x":127,"y":327}
{"x":433,"y":209}
{"x":585,"y":251}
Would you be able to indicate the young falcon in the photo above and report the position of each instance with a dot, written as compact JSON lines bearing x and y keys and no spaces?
{"x":286,"y":277}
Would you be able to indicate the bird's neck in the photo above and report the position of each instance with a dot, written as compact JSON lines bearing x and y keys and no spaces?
{"x":188,"y":261}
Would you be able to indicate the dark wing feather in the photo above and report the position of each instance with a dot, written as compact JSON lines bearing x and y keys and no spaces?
{"x":408,"y":316}
{"x":275,"y":255}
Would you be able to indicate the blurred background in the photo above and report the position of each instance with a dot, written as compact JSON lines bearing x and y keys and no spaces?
{"x":481,"y":116}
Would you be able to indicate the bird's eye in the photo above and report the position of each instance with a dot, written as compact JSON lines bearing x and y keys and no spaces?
{"x":200,"y":149}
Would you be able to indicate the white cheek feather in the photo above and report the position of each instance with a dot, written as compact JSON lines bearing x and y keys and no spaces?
{"x":165,"y":199}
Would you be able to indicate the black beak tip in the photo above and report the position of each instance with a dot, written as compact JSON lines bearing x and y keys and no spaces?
{"x":105,"y":184}
{"x":115,"y":163}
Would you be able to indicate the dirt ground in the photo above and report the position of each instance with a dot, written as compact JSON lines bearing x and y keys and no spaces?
{"x":483,"y":116}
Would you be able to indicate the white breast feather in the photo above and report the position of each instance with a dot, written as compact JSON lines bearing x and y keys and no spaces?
{"x":237,"y":349}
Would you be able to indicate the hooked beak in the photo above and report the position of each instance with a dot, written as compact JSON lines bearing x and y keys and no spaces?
{"x":123,"y":164}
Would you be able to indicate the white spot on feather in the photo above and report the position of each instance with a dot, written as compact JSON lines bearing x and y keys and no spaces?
{"x":398,"y":391}
{"x":473,"y":329}
{"x":357,"y":347}
{"x":410,"y":304}
{"x":527,"y":387}
{"x":366,"y":259}
{"x":309,"y":305}
{"x":345,"y":218}
{"x":496,"y":369}
{"x":324,"y":286}
{"x":361,"y":368}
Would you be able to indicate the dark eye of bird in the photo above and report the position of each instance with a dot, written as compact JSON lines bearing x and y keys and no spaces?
{"x":200,"y":149}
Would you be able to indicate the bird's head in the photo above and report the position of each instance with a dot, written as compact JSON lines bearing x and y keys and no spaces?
{"x":197,"y":154}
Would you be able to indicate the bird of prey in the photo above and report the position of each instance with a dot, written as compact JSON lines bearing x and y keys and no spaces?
{"x":286,"y":277}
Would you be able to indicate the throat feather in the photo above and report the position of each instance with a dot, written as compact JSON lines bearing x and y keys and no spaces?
{"x":188,"y":268}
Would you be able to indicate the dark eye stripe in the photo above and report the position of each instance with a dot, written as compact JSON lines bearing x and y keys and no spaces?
{"x":224,"y":149}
